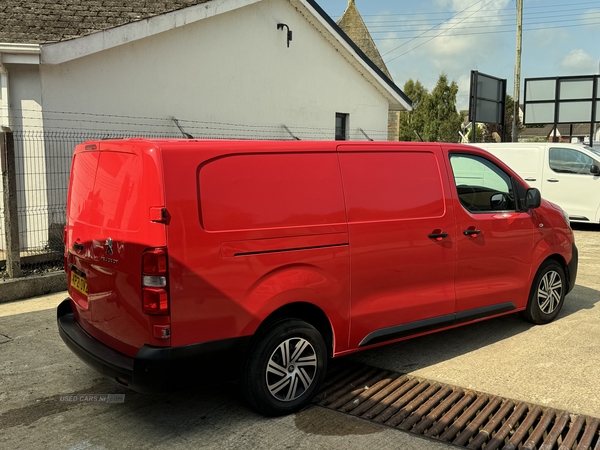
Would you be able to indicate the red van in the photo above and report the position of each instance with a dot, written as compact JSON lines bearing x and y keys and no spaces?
{"x":196,"y":261}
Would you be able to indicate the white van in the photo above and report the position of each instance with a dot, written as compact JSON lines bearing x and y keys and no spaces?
{"x":565,"y":174}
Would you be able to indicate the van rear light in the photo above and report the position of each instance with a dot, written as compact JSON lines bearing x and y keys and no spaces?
{"x":155,"y":261}
{"x":154,"y":281}
{"x":155,"y":294}
{"x":155,"y":301}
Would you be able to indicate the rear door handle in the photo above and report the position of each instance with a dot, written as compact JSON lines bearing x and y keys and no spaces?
{"x":78,"y":247}
{"x":438,"y":236}
{"x":471,"y":233}
{"x":553,"y":180}
{"x":529,"y":179}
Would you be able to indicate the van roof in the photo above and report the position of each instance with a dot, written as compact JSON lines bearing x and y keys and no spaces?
{"x":252,"y":145}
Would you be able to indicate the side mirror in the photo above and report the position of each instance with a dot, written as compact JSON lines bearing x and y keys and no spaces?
{"x":533,"y":198}
{"x":498,"y":202}
{"x":595,"y":170}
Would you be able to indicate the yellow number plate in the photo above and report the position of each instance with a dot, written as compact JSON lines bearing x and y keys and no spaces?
{"x":79,"y":283}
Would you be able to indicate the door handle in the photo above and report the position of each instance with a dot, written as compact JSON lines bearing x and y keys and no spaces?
{"x":529,"y":179}
{"x":78,"y":247}
{"x":438,"y":236}
{"x":553,"y":180}
{"x":471,"y":233}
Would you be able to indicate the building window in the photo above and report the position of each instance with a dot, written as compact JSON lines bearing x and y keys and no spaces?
{"x":341,"y":126}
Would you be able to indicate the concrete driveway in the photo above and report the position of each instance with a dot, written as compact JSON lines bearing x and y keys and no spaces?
{"x":551,"y":365}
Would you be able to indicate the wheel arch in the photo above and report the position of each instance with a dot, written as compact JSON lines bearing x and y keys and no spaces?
{"x":306,"y":312}
{"x":560,"y":260}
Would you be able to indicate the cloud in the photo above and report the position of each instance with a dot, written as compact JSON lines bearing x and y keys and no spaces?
{"x":463,"y":40}
{"x":547,"y":38}
{"x":579,"y":62}
{"x":590,"y":18}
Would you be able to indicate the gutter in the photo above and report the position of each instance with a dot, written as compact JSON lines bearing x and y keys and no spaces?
{"x":21,"y":49}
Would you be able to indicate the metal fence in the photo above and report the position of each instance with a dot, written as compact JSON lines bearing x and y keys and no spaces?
{"x":41,"y":160}
{"x":40,"y":163}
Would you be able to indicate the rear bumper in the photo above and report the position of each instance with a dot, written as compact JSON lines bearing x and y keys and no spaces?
{"x":155,"y":369}
{"x":572,"y":267}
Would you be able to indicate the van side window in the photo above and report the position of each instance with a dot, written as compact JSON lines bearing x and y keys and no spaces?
{"x":567,"y":160}
{"x":481,"y":185}
{"x":392,"y":186}
{"x":274,"y":190}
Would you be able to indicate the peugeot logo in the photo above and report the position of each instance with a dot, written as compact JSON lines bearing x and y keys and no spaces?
{"x":109,"y":246}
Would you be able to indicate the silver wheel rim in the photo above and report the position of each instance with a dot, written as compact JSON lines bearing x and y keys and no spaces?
{"x":291,"y":369}
{"x":549,"y":292}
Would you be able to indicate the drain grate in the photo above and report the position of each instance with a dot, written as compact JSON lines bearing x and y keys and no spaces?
{"x":451,"y":414}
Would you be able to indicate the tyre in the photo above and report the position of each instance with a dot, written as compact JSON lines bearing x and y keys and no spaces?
{"x":285,"y":368}
{"x":547,"y":293}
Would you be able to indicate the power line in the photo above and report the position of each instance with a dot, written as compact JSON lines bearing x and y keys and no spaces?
{"x":512,"y":30}
{"x":568,"y":5}
{"x":430,"y":39}
{"x":496,"y":13}
{"x":496,"y":22}
{"x":499,"y":18}
{"x":434,"y":27}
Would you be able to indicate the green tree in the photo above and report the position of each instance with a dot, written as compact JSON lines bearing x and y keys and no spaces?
{"x":434,"y":116}
{"x":414,"y":120}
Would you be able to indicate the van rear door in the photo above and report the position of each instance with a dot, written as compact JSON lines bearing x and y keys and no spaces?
{"x":114,"y":193}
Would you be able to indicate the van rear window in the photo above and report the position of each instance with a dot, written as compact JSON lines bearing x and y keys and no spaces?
{"x":392,"y":186}
{"x":270,"y":191}
{"x":82,"y":185}
{"x":105,"y":190}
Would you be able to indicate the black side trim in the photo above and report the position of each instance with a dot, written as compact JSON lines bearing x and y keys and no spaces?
{"x":480,"y":313}
{"x":572,"y":268}
{"x":398,"y":331}
{"x":266,"y":252}
{"x":421,"y":326}
{"x":155,"y":369}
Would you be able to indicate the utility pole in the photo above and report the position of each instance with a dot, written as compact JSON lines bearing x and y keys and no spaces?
{"x":517,"y":93}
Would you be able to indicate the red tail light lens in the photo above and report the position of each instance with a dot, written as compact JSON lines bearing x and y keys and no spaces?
{"x":155,"y":294}
{"x":156,"y":301}
{"x":155,"y":262}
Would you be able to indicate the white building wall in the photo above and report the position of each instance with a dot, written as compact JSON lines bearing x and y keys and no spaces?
{"x":25,"y":110}
{"x":234,"y":68}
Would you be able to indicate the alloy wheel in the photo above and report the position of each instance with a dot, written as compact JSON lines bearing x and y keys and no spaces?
{"x":550,"y":292}
{"x":291,"y":369}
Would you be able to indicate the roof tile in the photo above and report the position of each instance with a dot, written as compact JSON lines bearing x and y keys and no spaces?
{"x":39,"y":21}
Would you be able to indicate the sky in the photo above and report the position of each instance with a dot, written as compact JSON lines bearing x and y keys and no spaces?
{"x":420,"y":40}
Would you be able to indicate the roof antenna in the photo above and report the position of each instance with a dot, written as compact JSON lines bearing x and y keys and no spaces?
{"x":187,"y":135}
{"x":418,"y":135}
